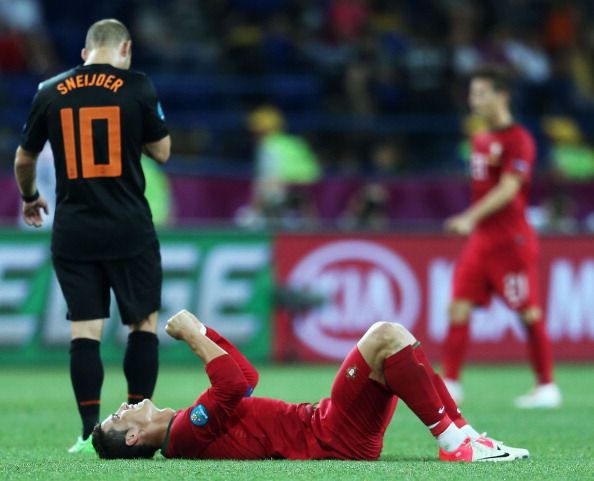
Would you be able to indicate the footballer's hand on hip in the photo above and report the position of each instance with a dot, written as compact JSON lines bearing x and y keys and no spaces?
{"x":184,"y":324}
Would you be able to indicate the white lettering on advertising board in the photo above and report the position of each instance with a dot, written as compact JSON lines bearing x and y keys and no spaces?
{"x":217,"y":283}
{"x":223,"y":295}
{"x":570,"y":310}
{"x":363,"y":282}
{"x":18,"y":263}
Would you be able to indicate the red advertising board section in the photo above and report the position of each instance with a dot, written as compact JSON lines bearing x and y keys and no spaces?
{"x":407,"y":279}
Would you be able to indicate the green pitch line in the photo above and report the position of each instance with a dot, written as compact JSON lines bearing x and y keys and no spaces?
{"x":38,"y":422}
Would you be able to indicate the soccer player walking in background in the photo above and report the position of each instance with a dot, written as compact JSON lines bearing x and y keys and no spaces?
{"x":99,"y":117}
{"x":501,"y":254}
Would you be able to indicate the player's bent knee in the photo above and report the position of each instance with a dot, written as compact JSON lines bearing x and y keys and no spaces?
{"x":381,"y":340}
{"x":390,"y":336}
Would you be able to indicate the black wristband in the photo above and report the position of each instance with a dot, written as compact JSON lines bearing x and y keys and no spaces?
{"x":30,"y":198}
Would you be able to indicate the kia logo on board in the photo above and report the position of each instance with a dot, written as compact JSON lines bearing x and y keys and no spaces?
{"x":363,"y":282}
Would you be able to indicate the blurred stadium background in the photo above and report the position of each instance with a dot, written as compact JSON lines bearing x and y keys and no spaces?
{"x":359,"y":105}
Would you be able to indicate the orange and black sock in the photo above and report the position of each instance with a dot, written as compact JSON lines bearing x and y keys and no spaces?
{"x":86,"y":374}
{"x":141,"y":365}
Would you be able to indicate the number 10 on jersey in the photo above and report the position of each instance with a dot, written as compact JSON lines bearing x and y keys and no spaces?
{"x":86,"y":116}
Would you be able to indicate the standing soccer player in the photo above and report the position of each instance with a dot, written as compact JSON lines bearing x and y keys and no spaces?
{"x":501,"y":254}
{"x":99,"y":117}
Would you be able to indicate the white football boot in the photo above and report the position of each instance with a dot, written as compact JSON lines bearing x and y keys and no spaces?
{"x":517,"y":453}
{"x":474,"y":451}
{"x":542,"y":396}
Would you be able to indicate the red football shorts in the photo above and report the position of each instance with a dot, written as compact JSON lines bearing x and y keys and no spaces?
{"x":359,"y":410}
{"x":510,"y":271}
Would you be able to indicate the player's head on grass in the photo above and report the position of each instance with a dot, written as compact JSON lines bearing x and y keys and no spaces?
{"x":490,"y":92}
{"x":108,"y":41}
{"x":133,"y":431}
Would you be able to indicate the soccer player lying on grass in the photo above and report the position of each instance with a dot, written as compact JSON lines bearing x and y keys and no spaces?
{"x":226,"y":423}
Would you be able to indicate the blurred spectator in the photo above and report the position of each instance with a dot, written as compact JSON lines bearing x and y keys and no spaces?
{"x":24,"y":44}
{"x":556,"y":215}
{"x":157,"y":192}
{"x":341,"y":70}
{"x":346,"y":19}
{"x":581,"y":64}
{"x":426,"y":66}
{"x":367,"y":209}
{"x":176,"y":36}
{"x":571,"y":157}
{"x":387,"y":160}
{"x":284,"y":163}
{"x":528,"y":57}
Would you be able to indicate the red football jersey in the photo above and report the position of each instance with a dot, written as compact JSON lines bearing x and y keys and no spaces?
{"x":223,"y":424}
{"x":494,"y":153}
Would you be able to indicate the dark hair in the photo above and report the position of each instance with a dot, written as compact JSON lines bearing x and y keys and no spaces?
{"x":112,"y":445}
{"x":108,"y":32}
{"x":499,"y":77}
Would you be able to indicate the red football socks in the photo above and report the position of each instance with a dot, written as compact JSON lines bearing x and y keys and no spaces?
{"x":540,"y":352}
{"x":409,"y":380}
{"x":454,"y":351}
{"x":451,"y":408}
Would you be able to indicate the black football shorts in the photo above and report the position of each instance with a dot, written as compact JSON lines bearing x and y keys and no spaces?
{"x":136,"y":283}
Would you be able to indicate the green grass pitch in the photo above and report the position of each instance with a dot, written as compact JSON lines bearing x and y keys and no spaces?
{"x":38,"y":422}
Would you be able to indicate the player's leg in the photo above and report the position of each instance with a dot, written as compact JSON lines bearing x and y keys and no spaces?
{"x":360,"y":408}
{"x":86,"y":371}
{"x":141,"y":360}
{"x":396,"y":358}
{"x":456,"y":345}
{"x":86,"y":293}
{"x":389,"y":350}
{"x":546,"y":394}
{"x":516,"y":280}
{"x":136,"y":283}
{"x":470,"y":288}
{"x":453,"y":411}
{"x":451,"y":407}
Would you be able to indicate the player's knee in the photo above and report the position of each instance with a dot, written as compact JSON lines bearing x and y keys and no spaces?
{"x":459,"y":312}
{"x":531,"y":315}
{"x":390,"y":336}
{"x":148,"y":324}
{"x":87,"y":329}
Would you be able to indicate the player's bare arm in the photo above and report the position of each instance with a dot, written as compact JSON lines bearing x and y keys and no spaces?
{"x":159,"y":150}
{"x":184,"y":326}
{"x":25,"y":164}
{"x":497,"y":198}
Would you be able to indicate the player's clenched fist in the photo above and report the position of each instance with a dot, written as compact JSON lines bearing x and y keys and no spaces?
{"x":184,"y":324}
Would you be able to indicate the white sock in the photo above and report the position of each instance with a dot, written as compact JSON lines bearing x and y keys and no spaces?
{"x":470,"y":431}
{"x":451,"y":438}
